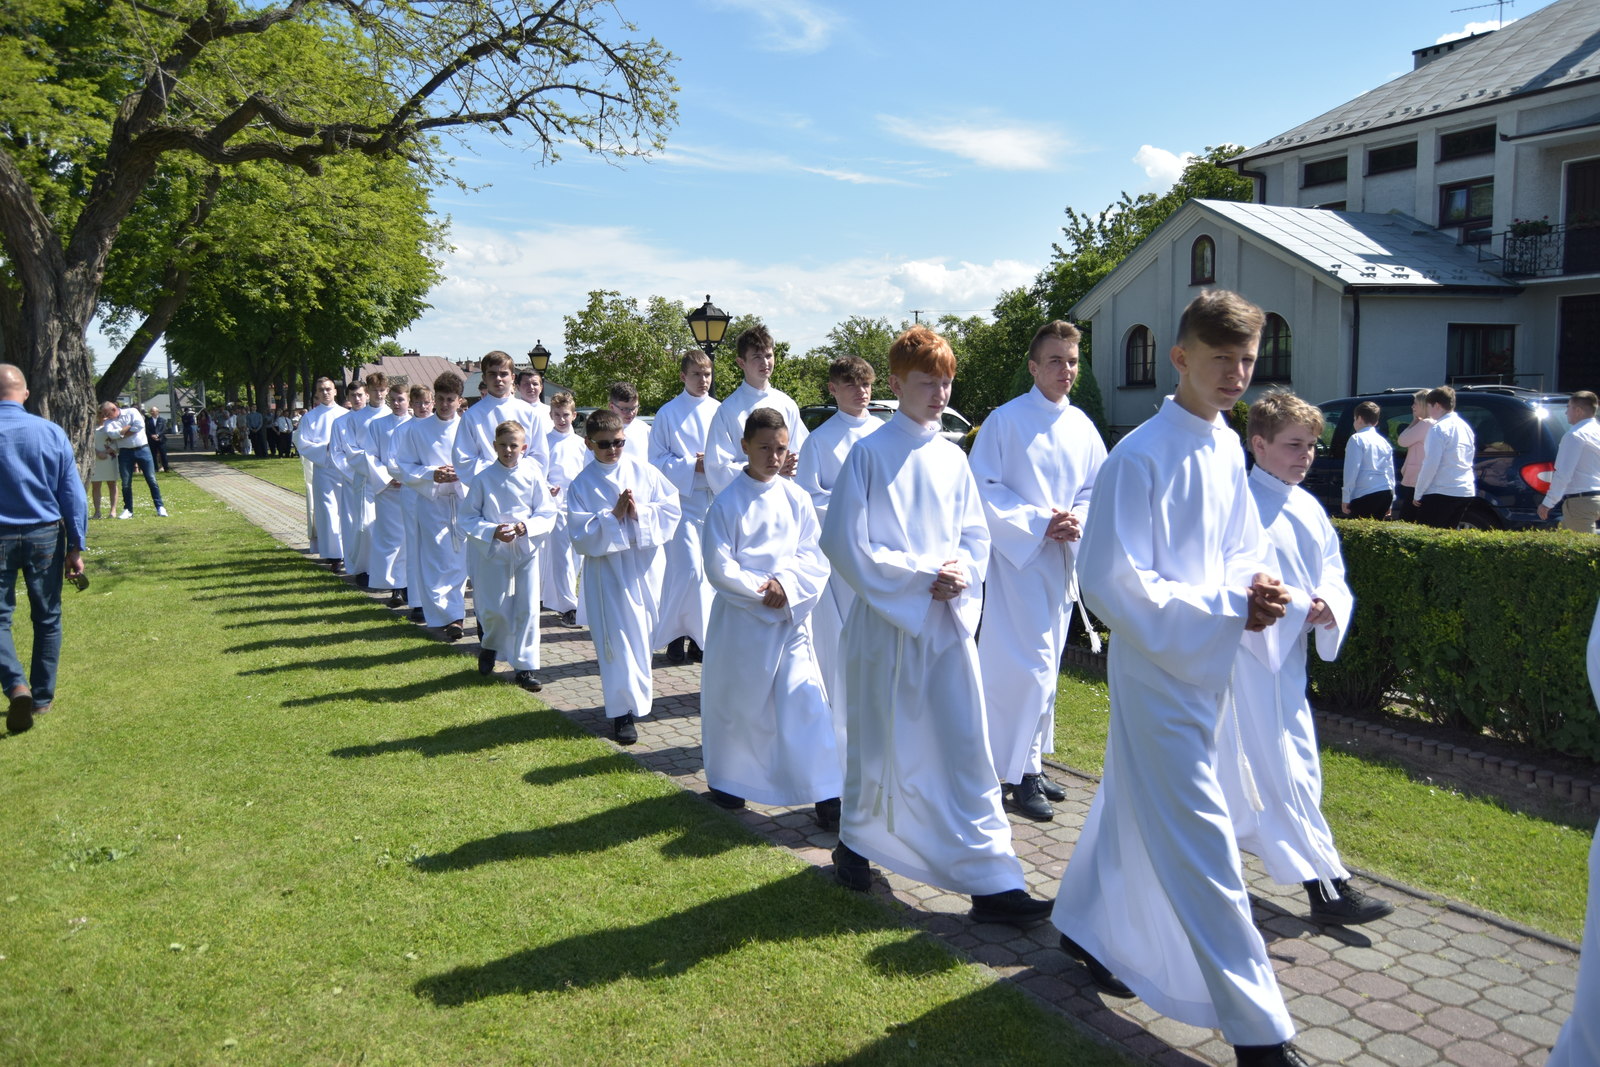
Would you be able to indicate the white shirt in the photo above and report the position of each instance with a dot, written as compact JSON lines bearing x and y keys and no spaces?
{"x":1577,"y":463}
{"x":125,"y":418}
{"x":1448,"y":452}
{"x":1368,"y":464}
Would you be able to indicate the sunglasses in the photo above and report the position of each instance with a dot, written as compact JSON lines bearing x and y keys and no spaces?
{"x":618,"y":443}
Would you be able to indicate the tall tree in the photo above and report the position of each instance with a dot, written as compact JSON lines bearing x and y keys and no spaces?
{"x":611,"y":340}
{"x":97,"y":96}
{"x":864,"y":337}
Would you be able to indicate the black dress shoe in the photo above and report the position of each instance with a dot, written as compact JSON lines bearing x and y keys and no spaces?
{"x":1052,"y":792}
{"x":1027,"y":799}
{"x":1351,"y":907}
{"x":851,"y":869}
{"x":1013,"y":906}
{"x":569,"y":618}
{"x":19,"y":712}
{"x":696,"y":653}
{"x":675,"y":650}
{"x":724,"y":800}
{"x":623,"y":732}
{"x":361,"y":580}
{"x":396,"y":599}
{"x":486,"y":658}
{"x":529,"y":681}
{"x":454,"y":631}
{"x":416,"y":615}
{"x":1284,"y":1055}
{"x":827,"y":814}
{"x":1104,"y":980}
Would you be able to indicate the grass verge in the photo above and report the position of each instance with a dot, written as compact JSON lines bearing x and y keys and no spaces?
{"x":1467,"y":848}
{"x":267,"y":822}
{"x":285,"y":472}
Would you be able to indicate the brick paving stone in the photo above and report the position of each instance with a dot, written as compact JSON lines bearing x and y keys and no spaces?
{"x":1459,"y":985}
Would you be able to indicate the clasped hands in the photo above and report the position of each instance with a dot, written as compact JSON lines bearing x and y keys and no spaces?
{"x":950,"y":582}
{"x":626,"y":508}
{"x":444,"y":474}
{"x":510,"y":531}
{"x":1064,"y":526}
{"x":1269,"y":600}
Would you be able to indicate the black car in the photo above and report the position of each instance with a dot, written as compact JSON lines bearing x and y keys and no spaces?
{"x":1517,"y":431}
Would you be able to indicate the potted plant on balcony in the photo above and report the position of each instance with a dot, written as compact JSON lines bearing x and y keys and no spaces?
{"x":1530,"y":227}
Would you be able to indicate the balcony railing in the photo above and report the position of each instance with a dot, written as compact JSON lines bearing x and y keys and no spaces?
{"x":1537,"y":251}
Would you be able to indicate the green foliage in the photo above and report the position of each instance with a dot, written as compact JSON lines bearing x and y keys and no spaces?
{"x":612,"y":340}
{"x":805,"y":378}
{"x":856,"y":336}
{"x":1482,"y":631}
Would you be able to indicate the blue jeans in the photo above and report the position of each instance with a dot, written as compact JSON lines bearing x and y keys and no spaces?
{"x":127,"y":459}
{"x":40,"y":553}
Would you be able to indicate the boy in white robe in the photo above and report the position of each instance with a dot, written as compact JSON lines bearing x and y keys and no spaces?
{"x":364,"y":501}
{"x":620,"y":513}
{"x":420,"y":398}
{"x":425,"y":458}
{"x":1267,"y":759}
{"x":1172,"y":560}
{"x":499,"y":403}
{"x":850,"y":381}
{"x":623,"y":398}
{"x":677,"y":448}
{"x":1035,"y":462}
{"x":311,"y":439}
{"x":724,"y":455}
{"x":558,"y":580}
{"x":530,"y":389}
{"x":766,"y":729}
{"x":386,"y":546}
{"x":905,"y":530}
{"x":507,"y":515}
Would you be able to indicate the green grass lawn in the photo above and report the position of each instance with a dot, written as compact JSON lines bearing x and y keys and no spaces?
{"x":268,"y":823}
{"x":1467,"y":848}
{"x":285,"y":472}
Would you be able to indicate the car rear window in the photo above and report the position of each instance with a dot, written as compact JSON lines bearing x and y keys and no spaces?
{"x":1504,"y":428}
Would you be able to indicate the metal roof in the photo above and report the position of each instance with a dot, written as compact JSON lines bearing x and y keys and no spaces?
{"x":416,"y":370}
{"x":1555,"y":46}
{"x":1363,"y":248}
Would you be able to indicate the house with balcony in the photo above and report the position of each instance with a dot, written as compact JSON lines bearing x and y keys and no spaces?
{"x":1443,"y":227}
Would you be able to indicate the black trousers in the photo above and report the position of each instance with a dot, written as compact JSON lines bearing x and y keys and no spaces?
{"x":1372,"y":505}
{"x":1442,"y":511}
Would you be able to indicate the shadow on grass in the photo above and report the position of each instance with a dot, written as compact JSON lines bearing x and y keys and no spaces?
{"x":350,"y":614}
{"x":699,"y":833}
{"x":353,"y":662}
{"x":400,"y":694}
{"x":564,"y":772}
{"x":471,"y":737}
{"x":798,"y":907}
{"x":382,"y":630}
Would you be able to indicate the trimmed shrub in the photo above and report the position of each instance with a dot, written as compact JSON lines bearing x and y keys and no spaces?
{"x":1481,"y":631}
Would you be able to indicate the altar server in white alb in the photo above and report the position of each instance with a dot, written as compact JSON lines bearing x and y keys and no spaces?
{"x":349,"y":453}
{"x":311,"y":440}
{"x":420,"y":397}
{"x":766,"y":728}
{"x":623,"y":398}
{"x":905,"y":530}
{"x":620,"y":513}
{"x":1035,"y":462}
{"x":1173,"y":561}
{"x":677,"y":448}
{"x":724,"y":455}
{"x":850,"y":381}
{"x":1267,"y":760}
{"x":425,"y":455}
{"x":499,"y":403}
{"x":508,"y":514}
{"x":386,"y":541}
{"x":558,"y":573}
{"x":1579,"y":1042}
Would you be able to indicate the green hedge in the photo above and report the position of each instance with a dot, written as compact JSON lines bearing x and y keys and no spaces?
{"x":1480,"y":631}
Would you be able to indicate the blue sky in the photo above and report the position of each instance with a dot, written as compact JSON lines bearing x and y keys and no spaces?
{"x":834,"y":159}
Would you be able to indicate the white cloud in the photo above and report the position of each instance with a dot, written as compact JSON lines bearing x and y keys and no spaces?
{"x":1000,"y":145}
{"x":508,"y":288}
{"x":1472,"y":28}
{"x":789,"y":25}
{"x":1162,"y":167}
{"x":745,"y":161}
{"x":853,"y":177}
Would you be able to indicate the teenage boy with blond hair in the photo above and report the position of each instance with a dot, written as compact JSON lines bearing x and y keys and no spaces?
{"x":850,"y":381}
{"x":766,"y":729}
{"x":1267,"y":759}
{"x":905,"y":530}
{"x":425,"y":457}
{"x":620,"y":512}
{"x":1173,"y":559}
{"x":507,"y":515}
{"x":386,"y":540}
{"x":724,"y":453}
{"x":1035,"y":462}
{"x":677,"y":448}
{"x":558,"y":576}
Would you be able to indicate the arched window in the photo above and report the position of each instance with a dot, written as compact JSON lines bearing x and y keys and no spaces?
{"x":1202,"y":261}
{"x":1140,"y":357}
{"x":1277,"y":343}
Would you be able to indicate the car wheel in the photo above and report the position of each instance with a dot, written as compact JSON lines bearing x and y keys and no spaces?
{"x":1478,"y":517}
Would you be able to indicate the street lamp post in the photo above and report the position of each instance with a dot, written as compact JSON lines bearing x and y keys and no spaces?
{"x":539,"y":357}
{"x":709,"y":324}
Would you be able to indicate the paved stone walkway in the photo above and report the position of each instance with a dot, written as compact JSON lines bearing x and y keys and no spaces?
{"x":1433,"y":984}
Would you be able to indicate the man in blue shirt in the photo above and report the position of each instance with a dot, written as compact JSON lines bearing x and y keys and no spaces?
{"x":42,"y":527}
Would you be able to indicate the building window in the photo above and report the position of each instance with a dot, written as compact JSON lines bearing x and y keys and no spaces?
{"x":1140,"y":356}
{"x":1394,"y":157}
{"x":1478,"y":350}
{"x":1331,"y":205}
{"x":1324,"y":171}
{"x":1469,"y":205}
{"x":1272,"y":360}
{"x":1202,"y":261}
{"x":1464,"y":143}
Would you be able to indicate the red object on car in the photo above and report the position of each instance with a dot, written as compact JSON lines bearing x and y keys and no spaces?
{"x":1538,"y":476}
